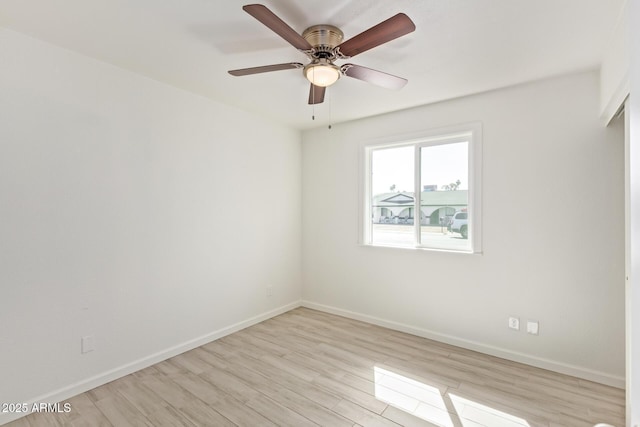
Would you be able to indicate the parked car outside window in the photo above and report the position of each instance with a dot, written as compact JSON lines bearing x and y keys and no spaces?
{"x":459,"y":224}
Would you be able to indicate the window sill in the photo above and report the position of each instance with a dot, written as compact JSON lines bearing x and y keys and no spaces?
{"x":422,"y":249}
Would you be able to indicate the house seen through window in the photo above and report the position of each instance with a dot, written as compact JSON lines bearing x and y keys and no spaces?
{"x":424,"y":193}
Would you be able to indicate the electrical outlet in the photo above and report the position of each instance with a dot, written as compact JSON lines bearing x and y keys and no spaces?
{"x":514,"y":323}
{"x":532,"y":327}
{"x":269,"y":290}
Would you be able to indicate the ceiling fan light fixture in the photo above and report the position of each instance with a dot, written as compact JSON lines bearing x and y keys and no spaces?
{"x":323,"y":45}
{"x":322,"y":73}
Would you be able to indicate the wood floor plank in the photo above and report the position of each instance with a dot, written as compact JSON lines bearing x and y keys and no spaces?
{"x":152,"y":406}
{"x":190,"y":362}
{"x":311,"y":410}
{"x":241,"y":414}
{"x":269,"y":332}
{"x":291,"y":382}
{"x":319,"y":359}
{"x":278,"y":414}
{"x":201,"y":414}
{"x":425,"y":371}
{"x":308,"y":368}
{"x":169,"y":391}
{"x":293,"y":368}
{"x":366,"y":400}
{"x":405,"y":419}
{"x":210,"y":358}
{"x":229,"y":384}
{"x":197,"y":386}
{"x":20,"y":422}
{"x":296,"y":402}
{"x":265,"y":345}
{"x":220,"y":348}
{"x":84,"y":412}
{"x":44,"y":419}
{"x":361,"y":415}
{"x":121,"y":412}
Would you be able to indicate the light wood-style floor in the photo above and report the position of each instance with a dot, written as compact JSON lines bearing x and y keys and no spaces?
{"x":308,"y":368}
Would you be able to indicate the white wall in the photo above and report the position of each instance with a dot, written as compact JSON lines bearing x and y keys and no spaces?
{"x":148,"y":217}
{"x":614,"y":71}
{"x":562,"y":265}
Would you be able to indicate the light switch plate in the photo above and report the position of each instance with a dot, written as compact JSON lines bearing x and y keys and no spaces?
{"x":87,"y":344}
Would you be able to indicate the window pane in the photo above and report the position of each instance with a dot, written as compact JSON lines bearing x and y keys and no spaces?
{"x":444,"y":199}
{"x":425,"y":201}
{"x":392,"y":196}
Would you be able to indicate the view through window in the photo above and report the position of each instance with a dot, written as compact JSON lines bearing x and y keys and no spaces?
{"x":421,"y":194}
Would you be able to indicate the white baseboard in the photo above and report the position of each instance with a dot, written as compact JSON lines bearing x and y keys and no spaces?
{"x":105,"y":377}
{"x":551,"y":365}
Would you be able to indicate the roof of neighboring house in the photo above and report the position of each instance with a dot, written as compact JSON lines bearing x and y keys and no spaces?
{"x":427,"y":198}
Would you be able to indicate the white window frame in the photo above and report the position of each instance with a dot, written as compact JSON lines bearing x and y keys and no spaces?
{"x":471,"y":132}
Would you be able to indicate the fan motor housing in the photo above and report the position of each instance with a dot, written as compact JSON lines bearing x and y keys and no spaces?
{"x":323,"y":38}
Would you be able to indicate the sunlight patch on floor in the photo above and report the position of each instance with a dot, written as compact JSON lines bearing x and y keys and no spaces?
{"x":426,"y":402}
{"x":483,"y":415}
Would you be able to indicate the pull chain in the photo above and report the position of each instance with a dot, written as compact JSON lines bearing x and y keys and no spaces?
{"x":330,"y":111}
{"x":313,"y":96}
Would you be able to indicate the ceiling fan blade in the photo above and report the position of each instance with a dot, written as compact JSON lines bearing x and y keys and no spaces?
{"x":392,"y":28}
{"x":316,"y":94}
{"x":277,"y":25}
{"x":375,"y":77}
{"x":265,"y":69}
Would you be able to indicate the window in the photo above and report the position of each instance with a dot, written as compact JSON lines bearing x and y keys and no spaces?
{"x":424,"y":192}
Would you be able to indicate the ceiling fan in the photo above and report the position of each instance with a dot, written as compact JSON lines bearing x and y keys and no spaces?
{"x":323,"y":45}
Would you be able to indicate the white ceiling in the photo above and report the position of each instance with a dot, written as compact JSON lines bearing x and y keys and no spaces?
{"x":460,"y":47}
